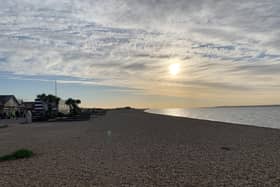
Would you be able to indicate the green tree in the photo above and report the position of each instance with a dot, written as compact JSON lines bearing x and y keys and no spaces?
{"x":51,"y":102}
{"x":73,"y":105}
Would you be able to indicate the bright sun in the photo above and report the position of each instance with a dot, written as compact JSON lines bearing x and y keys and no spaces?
{"x":174,"y":69}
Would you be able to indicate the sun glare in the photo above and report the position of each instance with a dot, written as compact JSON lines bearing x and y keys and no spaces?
{"x":174,"y":69}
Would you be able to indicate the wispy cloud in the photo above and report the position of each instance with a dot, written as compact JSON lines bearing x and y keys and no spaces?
{"x":230,"y":45}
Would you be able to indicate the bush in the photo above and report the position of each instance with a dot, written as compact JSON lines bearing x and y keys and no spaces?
{"x":60,"y":114}
{"x":3,"y":126}
{"x":19,"y":154}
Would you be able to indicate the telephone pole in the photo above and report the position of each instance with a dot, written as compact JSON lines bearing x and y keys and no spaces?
{"x":55,"y":88}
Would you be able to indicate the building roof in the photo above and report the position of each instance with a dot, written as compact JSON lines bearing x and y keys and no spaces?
{"x":6,"y":98}
{"x":29,"y":102}
{"x":28,"y":105}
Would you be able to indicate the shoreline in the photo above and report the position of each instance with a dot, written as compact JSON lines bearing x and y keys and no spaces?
{"x":135,"y":148}
{"x":214,"y":121}
{"x":251,"y":117}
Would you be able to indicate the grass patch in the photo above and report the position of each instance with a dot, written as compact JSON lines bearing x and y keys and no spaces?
{"x":19,"y":154}
{"x":3,"y":126}
{"x":226,"y":148}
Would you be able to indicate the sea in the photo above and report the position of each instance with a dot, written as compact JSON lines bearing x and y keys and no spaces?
{"x":262,"y":116}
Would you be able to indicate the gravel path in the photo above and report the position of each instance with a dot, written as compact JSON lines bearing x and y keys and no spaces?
{"x":133,"y":148}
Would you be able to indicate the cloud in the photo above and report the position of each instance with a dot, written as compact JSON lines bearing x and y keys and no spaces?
{"x":131,"y":43}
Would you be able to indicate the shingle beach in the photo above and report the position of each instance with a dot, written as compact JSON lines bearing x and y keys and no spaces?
{"x":134,"y":148}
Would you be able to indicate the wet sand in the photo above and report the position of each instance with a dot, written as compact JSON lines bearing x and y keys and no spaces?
{"x":133,"y":148}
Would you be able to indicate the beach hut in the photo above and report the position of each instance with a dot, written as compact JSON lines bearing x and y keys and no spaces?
{"x":9,"y":105}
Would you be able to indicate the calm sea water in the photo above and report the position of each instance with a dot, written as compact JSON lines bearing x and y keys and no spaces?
{"x":256,"y":116}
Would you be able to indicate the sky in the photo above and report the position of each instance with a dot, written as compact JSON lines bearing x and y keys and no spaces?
{"x":112,"y":53}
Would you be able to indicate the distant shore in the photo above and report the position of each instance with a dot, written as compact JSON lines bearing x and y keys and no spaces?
{"x":128,"y":147}
{"x":244,"y":106}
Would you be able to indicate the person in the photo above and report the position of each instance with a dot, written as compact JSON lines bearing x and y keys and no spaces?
{"x":28,"y":116}
{"x":17,"y":114}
